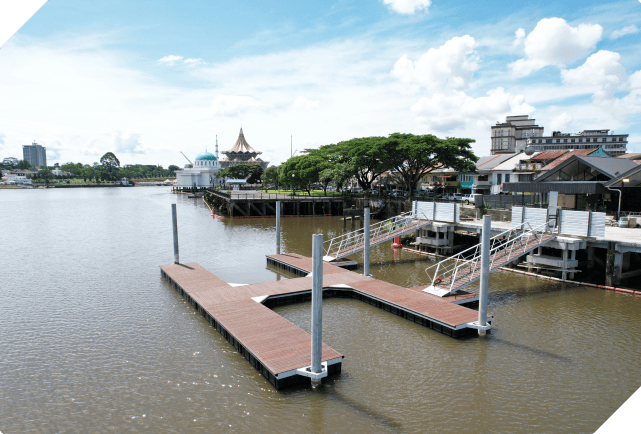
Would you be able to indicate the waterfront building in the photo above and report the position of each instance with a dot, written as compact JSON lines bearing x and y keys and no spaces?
{"x":10,"y":161}
{"x":613,"y":144}
{"x":242,"y":153}
{"x":35,"y":154}
{"x":511,"y":136}
{"x":582,"y":183}
{"x":480,"y":182}
{"x":201,"y":175}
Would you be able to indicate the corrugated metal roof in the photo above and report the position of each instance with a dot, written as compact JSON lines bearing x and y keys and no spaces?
{"x":566,"y":156}
{"x":491,"y":161}
{"x":608,"y":166}
{"x":511,"y":163}
{"x":549,"y":155}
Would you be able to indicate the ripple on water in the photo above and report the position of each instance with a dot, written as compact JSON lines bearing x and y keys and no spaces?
{"x":94,"y":340}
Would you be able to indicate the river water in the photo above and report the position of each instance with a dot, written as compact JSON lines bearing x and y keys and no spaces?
{"x":92,"y":339}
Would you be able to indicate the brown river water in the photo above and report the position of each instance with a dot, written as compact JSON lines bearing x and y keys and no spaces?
{"x":92,"y":339}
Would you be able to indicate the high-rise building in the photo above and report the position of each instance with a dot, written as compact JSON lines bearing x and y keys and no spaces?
{"x":613,"y":144}
{"x":510,"y":137}
{"x":35,"y":154}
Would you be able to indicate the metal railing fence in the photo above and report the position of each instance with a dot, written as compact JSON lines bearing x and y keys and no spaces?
{"x":354,"y":241}
{"x":462,"y":267}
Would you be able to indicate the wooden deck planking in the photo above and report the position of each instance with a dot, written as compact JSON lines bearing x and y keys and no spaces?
{"x":439,"y":309}
{"x":279,"y":345}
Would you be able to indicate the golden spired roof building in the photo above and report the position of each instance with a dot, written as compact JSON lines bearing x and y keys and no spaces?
{"x":242,"y":153}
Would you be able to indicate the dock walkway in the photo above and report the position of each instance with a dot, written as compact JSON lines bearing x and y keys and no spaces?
{"x":278,"y":348}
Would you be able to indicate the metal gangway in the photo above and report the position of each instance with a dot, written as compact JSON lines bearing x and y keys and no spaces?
{"x":354,"y":241}
{"x":453,"y":273}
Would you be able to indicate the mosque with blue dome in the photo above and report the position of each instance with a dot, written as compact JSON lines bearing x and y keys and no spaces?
{"x":203,"y":172}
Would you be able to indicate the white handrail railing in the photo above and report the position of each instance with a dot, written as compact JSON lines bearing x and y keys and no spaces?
{"x":461,"y":268}
{"x":354,"y":241}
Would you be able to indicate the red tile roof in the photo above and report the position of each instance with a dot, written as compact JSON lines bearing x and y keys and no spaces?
{"x":549,"y":155}
{"x":565,"y":156}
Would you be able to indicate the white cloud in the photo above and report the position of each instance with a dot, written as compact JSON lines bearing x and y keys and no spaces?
{"x":234,"y":105}
{"x":449,"y":66}
{"x":560,"y":122}
{"x":127,"y":143}
{"x":554,"y":42}
{"x":520,"y":34}
{"x":303,"y":103}
{"x":194,"y":62}
{"x":602,"y":69}
{"x":170,"y":60}
{"x":627,"y":30}
{"x":445,"y":111}
{"x":408,"y":7}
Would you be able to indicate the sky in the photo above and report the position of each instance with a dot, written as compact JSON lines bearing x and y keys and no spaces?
{"x":148,"y":79}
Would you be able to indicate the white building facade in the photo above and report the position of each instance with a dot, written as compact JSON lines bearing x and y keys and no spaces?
{"x":203,"y":173}
{"x":613,"y":144}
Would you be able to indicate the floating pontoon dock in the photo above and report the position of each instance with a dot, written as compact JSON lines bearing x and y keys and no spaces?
{"x":278,"y":348}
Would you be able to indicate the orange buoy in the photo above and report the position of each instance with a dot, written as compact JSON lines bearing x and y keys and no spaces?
{"x":397,"y":242}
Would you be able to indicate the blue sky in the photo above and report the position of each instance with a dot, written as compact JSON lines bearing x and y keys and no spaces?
{"x":148,"y":79}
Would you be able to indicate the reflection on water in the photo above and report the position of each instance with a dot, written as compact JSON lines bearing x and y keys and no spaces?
{"x":93,"y":340}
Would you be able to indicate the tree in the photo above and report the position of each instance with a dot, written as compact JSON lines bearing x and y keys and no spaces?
{"x":337,"y":174}
{"x":172,"y":170}
{"x":75,"y":169}
{"x":110,"y":166}
{"x":250,"y":172}
{"x":270,"y":176}
{"x":303,"y":170}
{"x":368,"y":158}
{"x":24,"y":165}
{"x":44,"y":174}
{"x":414,"y":155}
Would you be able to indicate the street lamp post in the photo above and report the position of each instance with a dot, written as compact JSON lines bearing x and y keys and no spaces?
{"x":293,"y":176}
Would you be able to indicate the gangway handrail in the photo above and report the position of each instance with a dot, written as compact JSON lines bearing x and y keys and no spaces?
{"x":449,"y":269}
{"x":353,"y":241}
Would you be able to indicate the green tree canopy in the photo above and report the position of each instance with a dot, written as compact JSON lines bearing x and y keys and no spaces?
{"x":271,"y":175}
{"x":24,"y":165}
{"x":367,"y":157}
{"x":110,"y":166}
{"x":251,"y":172}
{"x":303,"y":170}
{"x":414,"y":156}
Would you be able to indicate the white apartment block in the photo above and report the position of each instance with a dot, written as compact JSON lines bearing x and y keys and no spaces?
{"x":613,"y":144}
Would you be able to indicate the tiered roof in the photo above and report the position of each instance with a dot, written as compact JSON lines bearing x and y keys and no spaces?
{"x":241,"y":146}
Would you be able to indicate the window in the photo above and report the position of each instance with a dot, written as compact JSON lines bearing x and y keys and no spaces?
{"x":572,"y":140}
{"x":507,"y":177}
{"x":499,"y":178}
